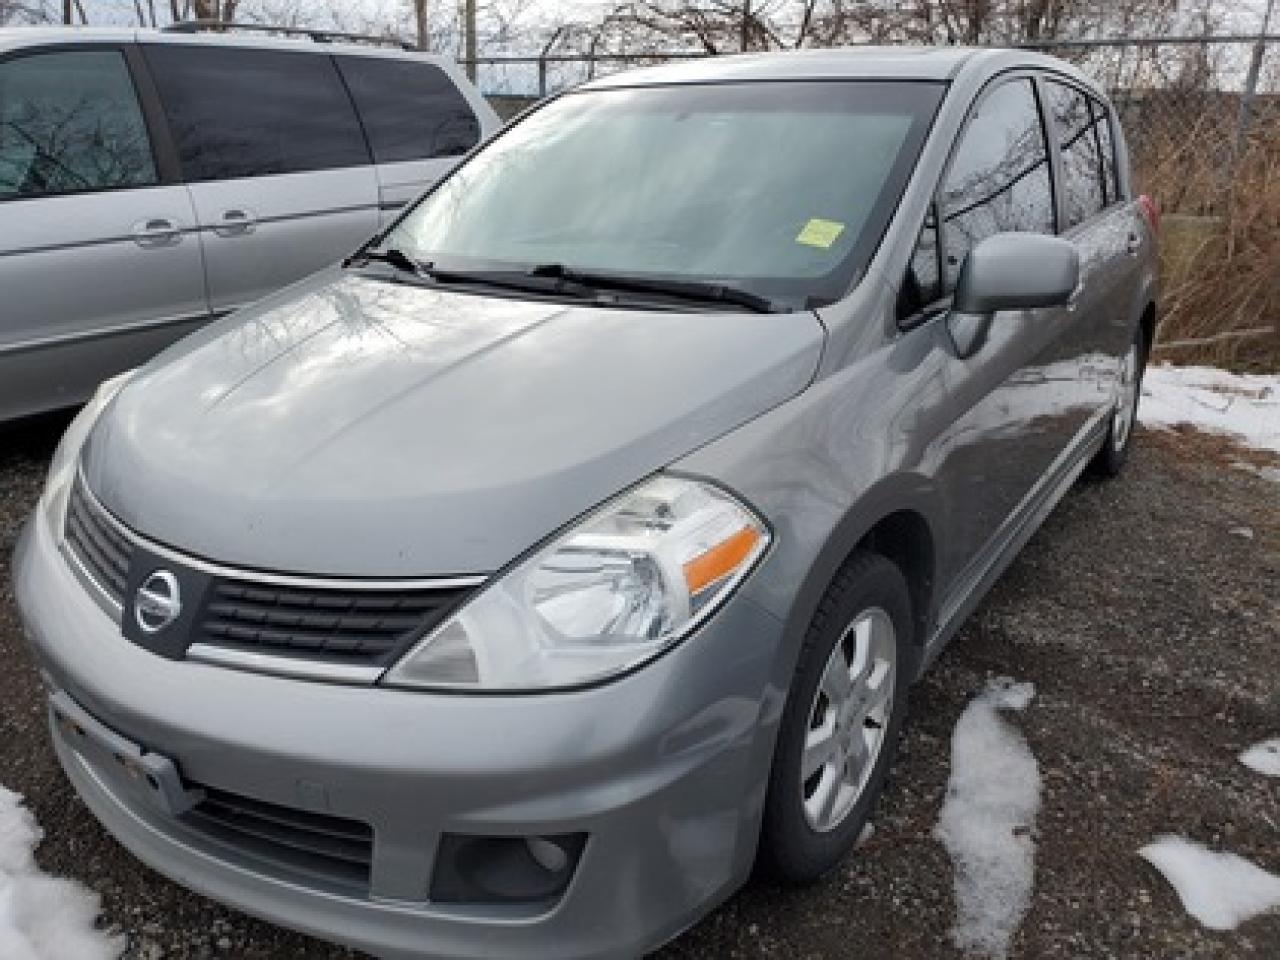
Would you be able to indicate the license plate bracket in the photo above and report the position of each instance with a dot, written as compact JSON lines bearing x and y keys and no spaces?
{"x":151,"y":775}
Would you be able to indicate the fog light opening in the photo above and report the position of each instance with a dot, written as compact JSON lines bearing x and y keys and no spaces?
{"x":505,"y":870}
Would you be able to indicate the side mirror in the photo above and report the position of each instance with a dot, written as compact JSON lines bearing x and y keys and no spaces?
{"x":1010,"y":271}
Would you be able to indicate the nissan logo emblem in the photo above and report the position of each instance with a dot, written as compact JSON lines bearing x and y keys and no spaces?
{"x":158,"y":602}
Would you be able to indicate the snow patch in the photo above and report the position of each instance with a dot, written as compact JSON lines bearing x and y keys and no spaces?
{"x":1263,"y":757}
{"x":1244,"y":406}
{"x":988,"y":819}
{"x":42,"y":917}
{"x":1221,"y":890}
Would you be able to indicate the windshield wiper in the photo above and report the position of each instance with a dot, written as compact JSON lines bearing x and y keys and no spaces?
{"x":697,"y":290}
{"x":500,"y":279}
{"x":556,"y":279}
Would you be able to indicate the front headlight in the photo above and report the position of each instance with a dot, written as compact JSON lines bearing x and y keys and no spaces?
{"x":62,"y":468}
{"x":617,"y":589}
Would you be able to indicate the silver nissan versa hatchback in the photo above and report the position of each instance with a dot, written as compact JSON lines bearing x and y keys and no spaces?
{"x":513,"y":588}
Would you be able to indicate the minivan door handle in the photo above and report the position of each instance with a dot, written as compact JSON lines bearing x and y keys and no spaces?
{"x":156,"y":232}
{"x":235,"y":222}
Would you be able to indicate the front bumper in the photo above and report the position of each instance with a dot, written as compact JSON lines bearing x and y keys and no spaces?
{"x":664,"y":770}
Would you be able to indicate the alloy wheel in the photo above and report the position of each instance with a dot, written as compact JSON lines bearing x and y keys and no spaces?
{"x":1127,"y":406}
{"x":848,"y":719}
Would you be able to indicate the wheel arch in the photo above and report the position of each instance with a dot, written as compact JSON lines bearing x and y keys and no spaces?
{"x":897,"y":519}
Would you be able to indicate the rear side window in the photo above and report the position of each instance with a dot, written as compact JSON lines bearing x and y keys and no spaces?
{"x":1083,"y":195}
{"x":1110,"y":178}
{"x":249,"y":113}
{"x":411,"y":110}
{"x":998,"y":180}
{"x":69,"y":123}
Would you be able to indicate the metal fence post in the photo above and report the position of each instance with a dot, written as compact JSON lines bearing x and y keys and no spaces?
{"x":1251,"y":87}
{"x":542,"y":75}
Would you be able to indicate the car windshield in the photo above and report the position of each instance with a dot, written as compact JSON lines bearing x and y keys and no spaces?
{"x":782,"y":189}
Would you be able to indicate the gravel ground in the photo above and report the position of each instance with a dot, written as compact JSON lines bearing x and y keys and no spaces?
{"x":1146,"y":617}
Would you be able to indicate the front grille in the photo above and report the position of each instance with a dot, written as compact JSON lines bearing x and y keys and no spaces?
{"x":334,"y":850}
{"x":367,"y":626}
{"x":364,"y":625}
{"x":98,"y":545}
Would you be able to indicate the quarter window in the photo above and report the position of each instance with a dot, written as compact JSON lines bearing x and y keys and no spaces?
{"x":411,"y":110}
{"x":999,"y":180}
{"x":1110,"y":179}
{"x":1083,"y":195}
{"x":70,"y":122}
{"x":249,"y":113}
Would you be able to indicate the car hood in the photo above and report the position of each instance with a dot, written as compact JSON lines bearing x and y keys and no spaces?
{"x":357,"y":426}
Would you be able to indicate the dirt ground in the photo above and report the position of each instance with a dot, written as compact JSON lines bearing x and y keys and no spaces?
{"x":1147,"y":614}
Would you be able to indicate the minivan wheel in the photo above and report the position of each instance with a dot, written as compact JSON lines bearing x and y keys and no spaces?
{"x":1115,"y":450}
{"x":842,"y":721}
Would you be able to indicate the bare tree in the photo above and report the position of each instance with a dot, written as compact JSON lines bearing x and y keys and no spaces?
{"x":220,"y":10}
{"x":719,"y":26}
{"x":420,"y":23}
{"x":27,"y":11}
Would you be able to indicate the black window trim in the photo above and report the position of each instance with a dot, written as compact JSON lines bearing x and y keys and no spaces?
{"x":939,"y":305}
{"x":162,"y":157}
{"x":163,"y":118}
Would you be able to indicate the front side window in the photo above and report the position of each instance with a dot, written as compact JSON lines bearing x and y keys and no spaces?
{"x":998,"y":180}
{"x":782,"y":189}
{"x":411,"y":110}
{"x":69,"y":123}
{"x":1082,"y":191}
{"x":250,"y":113}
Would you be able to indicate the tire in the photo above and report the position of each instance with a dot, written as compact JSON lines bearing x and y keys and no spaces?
{"x":867,"y":598}
{"x":1110,"y":460}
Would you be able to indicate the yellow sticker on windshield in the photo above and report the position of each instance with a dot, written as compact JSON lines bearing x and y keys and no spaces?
{"x":820,"y":233}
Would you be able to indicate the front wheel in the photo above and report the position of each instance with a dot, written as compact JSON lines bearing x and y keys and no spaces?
{"x":1115,"y":449}
{"x":841,"y":723}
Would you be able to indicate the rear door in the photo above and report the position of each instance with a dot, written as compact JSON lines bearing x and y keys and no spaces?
{"x":1106,"y":228}
{"x":99,"y":262}
{"x":417,"y":118}
{"x":275,"y":158}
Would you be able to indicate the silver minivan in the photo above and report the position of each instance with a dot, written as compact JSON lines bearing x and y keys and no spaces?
{"x":515,"y":587}
{"x":151,"y":181}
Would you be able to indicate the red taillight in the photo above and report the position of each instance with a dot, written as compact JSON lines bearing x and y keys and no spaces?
{"x":1152,"y":210}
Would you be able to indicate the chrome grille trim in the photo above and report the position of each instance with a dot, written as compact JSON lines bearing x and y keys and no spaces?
{"x":296,"y":667}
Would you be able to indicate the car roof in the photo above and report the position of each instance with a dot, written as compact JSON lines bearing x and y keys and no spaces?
{"x":12,"y":38}
{"x":840,"y":63}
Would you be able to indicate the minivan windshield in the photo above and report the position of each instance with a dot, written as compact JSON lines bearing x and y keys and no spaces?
{"x":781,"y":189}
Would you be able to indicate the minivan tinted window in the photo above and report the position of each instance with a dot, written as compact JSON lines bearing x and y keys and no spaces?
{"x":998,"y":180}
{"x":248,"y":113}
{"x":411,"y":110}
{"x":1082,"y":191}
{"x":70,"y":122}
{"x":779,"y":188}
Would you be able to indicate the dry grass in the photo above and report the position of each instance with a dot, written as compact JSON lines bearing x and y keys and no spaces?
{"x":1221,"y":242}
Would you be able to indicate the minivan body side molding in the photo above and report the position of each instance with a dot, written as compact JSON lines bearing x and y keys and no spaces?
{"x":84,"y":336}
{"x":972,"y":584}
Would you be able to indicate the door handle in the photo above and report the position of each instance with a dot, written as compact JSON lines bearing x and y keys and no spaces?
{"x":156,"y":232}
{"x":235,"y":222}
